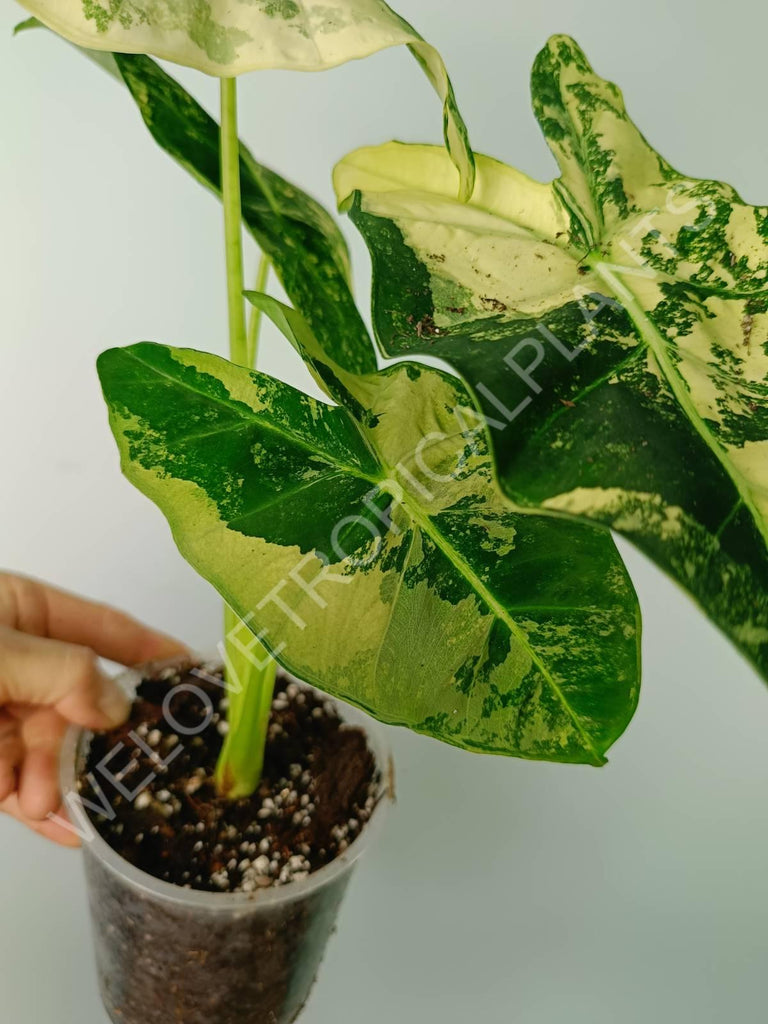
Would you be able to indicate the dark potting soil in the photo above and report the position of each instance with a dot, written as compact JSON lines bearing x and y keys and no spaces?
{"x":319,"y":786}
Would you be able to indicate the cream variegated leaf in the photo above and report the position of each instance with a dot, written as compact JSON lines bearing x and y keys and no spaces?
{"x":369,"y":546}
{"x":613,"y":324}
{"x":232,"y":37}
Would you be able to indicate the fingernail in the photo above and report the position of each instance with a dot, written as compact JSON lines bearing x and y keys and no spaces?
{"x":113,"y":702}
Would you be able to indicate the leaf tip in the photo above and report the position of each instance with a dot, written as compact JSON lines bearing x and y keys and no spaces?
{"x":559,"y":52}
{"x":24,"y":26}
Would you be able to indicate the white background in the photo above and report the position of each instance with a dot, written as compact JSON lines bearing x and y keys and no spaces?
{"x":502,"y":890}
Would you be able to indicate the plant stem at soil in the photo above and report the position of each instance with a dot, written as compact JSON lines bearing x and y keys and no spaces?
{"x":249,"y":668}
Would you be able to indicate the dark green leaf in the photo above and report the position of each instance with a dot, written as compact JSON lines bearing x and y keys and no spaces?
{"x":305,"y":245}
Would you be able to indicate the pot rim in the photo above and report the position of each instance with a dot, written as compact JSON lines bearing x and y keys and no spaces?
{"x":72,"y":751}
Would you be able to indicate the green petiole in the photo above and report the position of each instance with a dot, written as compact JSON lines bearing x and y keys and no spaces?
{"x":249,"y":667}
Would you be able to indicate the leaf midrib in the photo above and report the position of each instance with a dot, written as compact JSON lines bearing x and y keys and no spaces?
{"x":501,"y":613}
{"x":655,"y":342}
{"x":263,"y":424}
{"x":281,"y":497}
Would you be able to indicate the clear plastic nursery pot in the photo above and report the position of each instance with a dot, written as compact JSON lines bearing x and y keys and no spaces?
{"x":169,"y":954}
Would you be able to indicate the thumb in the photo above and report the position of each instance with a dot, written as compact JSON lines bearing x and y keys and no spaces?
{"x":67,"y":677}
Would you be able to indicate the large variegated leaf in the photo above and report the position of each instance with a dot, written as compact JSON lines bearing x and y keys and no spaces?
{"x":370,"y":547}
{"x":231,"y":37}
{"x":613,"y":325}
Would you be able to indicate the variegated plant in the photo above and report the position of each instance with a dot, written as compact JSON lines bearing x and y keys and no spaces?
{"x":413,"y":589}
{"x":365,"y":542}
{"x":228,"y":39}
{"x":613,"y":324}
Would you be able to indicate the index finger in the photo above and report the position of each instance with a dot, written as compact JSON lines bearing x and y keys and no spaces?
{"x":34,"y":607}
{"x":49,"y":829}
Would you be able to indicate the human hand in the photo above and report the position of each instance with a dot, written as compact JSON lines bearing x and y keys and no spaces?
{"x":49,"y":677}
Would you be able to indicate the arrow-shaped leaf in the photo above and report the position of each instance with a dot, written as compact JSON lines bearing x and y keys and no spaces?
{"x":613,"y":325}
{"x":370,"y":547}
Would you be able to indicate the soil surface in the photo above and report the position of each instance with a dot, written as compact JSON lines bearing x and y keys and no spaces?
{"x":319,"y":786}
